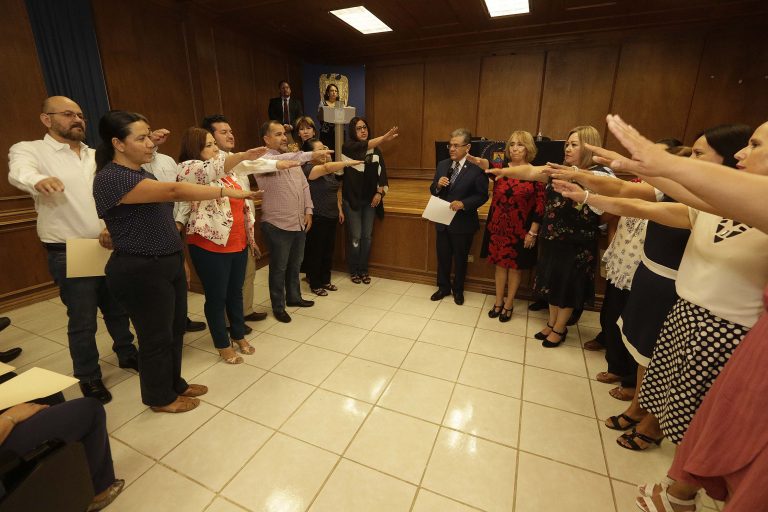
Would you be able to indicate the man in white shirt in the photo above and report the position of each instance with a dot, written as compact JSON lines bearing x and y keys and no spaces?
{"x":164,"y":168}
{"x":58,"y":172}
{"x":219,"y":127}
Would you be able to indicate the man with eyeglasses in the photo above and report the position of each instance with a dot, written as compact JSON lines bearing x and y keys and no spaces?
{"x":465,"y":186}
{"x":58,"y":172}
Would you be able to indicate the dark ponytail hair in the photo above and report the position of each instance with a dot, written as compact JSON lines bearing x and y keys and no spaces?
{"x":727,"y":140}
{"x":113,"y":124}
{"x":307,"y":146}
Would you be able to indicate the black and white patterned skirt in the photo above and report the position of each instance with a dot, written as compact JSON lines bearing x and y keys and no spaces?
{"x":692,"y":349}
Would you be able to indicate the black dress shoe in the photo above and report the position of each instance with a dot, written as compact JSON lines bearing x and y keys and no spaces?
{"x":458,"y":298}
{"x":193,"y":326}
{"x":439,"y":294}
{"x":96,"y":389}
{"x":131,"y":362}
{"x":301,"y":303}
{"x":10,"y":355}
{"x":255,"y":317}
{"x":282,"y":316}
{"x":4,"y":322}
{"x":246,"y":329}
{"x":538,"y":305}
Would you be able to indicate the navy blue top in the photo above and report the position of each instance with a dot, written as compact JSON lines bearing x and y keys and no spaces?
{"x":146,"y":229}
{"x":323,"y":191}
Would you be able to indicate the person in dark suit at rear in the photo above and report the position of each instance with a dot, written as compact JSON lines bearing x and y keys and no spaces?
{"x":465,"y":186}
{"x":285,"y":109}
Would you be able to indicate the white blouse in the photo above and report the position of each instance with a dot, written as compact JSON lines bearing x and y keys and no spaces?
{"x":625,"y":252}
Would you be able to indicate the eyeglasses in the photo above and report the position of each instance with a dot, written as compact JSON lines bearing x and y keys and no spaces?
{"x":360,"y":128}
{"x":68,"y":114}
{"x":456,"y":146}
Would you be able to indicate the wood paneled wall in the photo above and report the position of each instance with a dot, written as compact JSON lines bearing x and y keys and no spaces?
{"x":164,"y":60}
{"x":668,"y":85}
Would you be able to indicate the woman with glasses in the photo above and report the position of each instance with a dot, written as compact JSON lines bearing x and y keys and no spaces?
{"x":364,"y":187}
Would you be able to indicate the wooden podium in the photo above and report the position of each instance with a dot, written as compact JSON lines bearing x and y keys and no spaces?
{"x":340,"y":117}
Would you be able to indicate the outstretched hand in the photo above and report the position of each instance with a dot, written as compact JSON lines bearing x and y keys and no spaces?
{"x":286,"y":164}
{"x":560,"y":172}
{"x":569,"y":190}
{"x":391,"y":134}
{"x":255,"y":153}
{"x":159,"y":136}
{"x":647,"y":159}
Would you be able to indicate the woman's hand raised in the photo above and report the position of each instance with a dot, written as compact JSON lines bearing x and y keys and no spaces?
{"x":255,"y":153}
{"x":569,"y":190}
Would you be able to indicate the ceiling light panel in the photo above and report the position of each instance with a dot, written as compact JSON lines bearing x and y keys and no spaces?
{"x":361,"y":19}
{"x":498,"y":8}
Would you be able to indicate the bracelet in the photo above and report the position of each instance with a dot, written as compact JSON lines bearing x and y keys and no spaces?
{"x":575,"y":168}
{"x":9,"y":418}
{"x":586,"y":196}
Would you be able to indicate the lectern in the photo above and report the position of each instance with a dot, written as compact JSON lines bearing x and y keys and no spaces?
{"x":340,"y":116}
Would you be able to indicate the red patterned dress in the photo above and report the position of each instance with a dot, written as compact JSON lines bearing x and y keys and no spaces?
{"x":515,"y":206}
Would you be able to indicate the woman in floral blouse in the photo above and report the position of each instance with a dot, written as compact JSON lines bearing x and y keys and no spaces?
{"x":220,"y":235}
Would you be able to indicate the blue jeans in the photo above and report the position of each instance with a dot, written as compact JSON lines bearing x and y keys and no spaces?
{"x":82,"y":296}
{"x":359,"y":227}
{"x":286,"y":252}
{"x":222,"y":275}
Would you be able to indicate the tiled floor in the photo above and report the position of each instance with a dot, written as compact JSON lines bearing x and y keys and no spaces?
{"x":376,"y":399}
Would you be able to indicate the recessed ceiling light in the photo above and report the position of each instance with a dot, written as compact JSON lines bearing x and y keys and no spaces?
{"x":361,"y":19}
{"x":498,"y":8}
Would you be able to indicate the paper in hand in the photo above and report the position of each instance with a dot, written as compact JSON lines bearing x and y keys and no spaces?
{"x":32,"y":384}
{"x":438,"y":210}
{"x":86,"y":257}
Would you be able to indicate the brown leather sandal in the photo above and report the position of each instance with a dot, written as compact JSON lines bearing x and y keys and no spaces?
{"x":195,"y":390}
{"x":607,"y":377}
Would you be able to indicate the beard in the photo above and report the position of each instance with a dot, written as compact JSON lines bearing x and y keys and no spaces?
{"x":71,"y":133}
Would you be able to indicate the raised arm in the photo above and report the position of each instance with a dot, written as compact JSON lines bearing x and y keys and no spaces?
{"x":526,"y":172}
{"x":669,"y":214}
{"x":329,"y":167}
{"x":605,"y":185}
{"x":390,"y":135}
{"x":153,"y":191}
{"x":25,"y":173}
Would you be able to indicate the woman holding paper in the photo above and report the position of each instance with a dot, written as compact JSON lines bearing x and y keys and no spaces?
{"x":220,"y":236}
{"x":26,"y":426}
{"x":146,"y":270}
{"x":362,"y":192}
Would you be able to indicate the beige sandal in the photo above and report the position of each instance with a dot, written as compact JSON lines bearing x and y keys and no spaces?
{"x":230,"y":356}
{"x":245,"y":347}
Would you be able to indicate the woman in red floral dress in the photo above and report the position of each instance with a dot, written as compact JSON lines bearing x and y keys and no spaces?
{"x":513,"y":224}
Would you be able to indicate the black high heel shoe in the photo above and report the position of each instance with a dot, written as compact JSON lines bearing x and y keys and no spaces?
{"x":495,"y":311}
{"x":504,"y":316}
{"x":540,"y":335}
{"x":552,"y":344}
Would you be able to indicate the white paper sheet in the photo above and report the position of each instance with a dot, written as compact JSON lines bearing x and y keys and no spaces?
{"x":359,"y":167}
{"x":86,"y":257}
{"x":438,"y":210}
{"x":32,"y":384}
{"x":5,"y":368}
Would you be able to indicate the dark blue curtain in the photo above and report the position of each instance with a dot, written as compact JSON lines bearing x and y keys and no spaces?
{"x":65,"y":38}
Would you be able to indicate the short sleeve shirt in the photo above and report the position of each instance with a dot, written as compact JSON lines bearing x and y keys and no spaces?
{"x":323,"y":191}
{"x":145,"y":229}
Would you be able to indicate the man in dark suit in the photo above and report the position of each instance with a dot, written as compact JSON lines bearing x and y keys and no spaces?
{"x":285,"y":109}
{"x":465,"y":186}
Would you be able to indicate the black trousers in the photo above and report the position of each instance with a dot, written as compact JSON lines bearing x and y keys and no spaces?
{"x":619,"y":360}
{"x":452,"y":249}
{"x":154,"y":292}
{"x":318,"y":251}
{"x":82,"y":420}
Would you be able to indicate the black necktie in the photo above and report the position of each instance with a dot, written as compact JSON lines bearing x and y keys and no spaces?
{"x":286,"y":117}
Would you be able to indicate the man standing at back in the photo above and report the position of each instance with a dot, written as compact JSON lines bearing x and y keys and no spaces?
{"x":218,"y":126}
{"x":58,"y":172}
{"x":465,"y":186}
{"x":285,"y":109}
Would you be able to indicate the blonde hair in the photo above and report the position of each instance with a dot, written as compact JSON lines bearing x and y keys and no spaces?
{"x":587,"y":135}
{"x":526,"y":139}
{"x":304,"y":121}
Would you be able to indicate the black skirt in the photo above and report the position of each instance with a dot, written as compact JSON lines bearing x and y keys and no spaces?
{"x":649,"y":303}
{"x":565,"y":275}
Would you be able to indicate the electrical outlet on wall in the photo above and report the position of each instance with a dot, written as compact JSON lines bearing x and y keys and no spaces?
{"x":470,"y":258}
